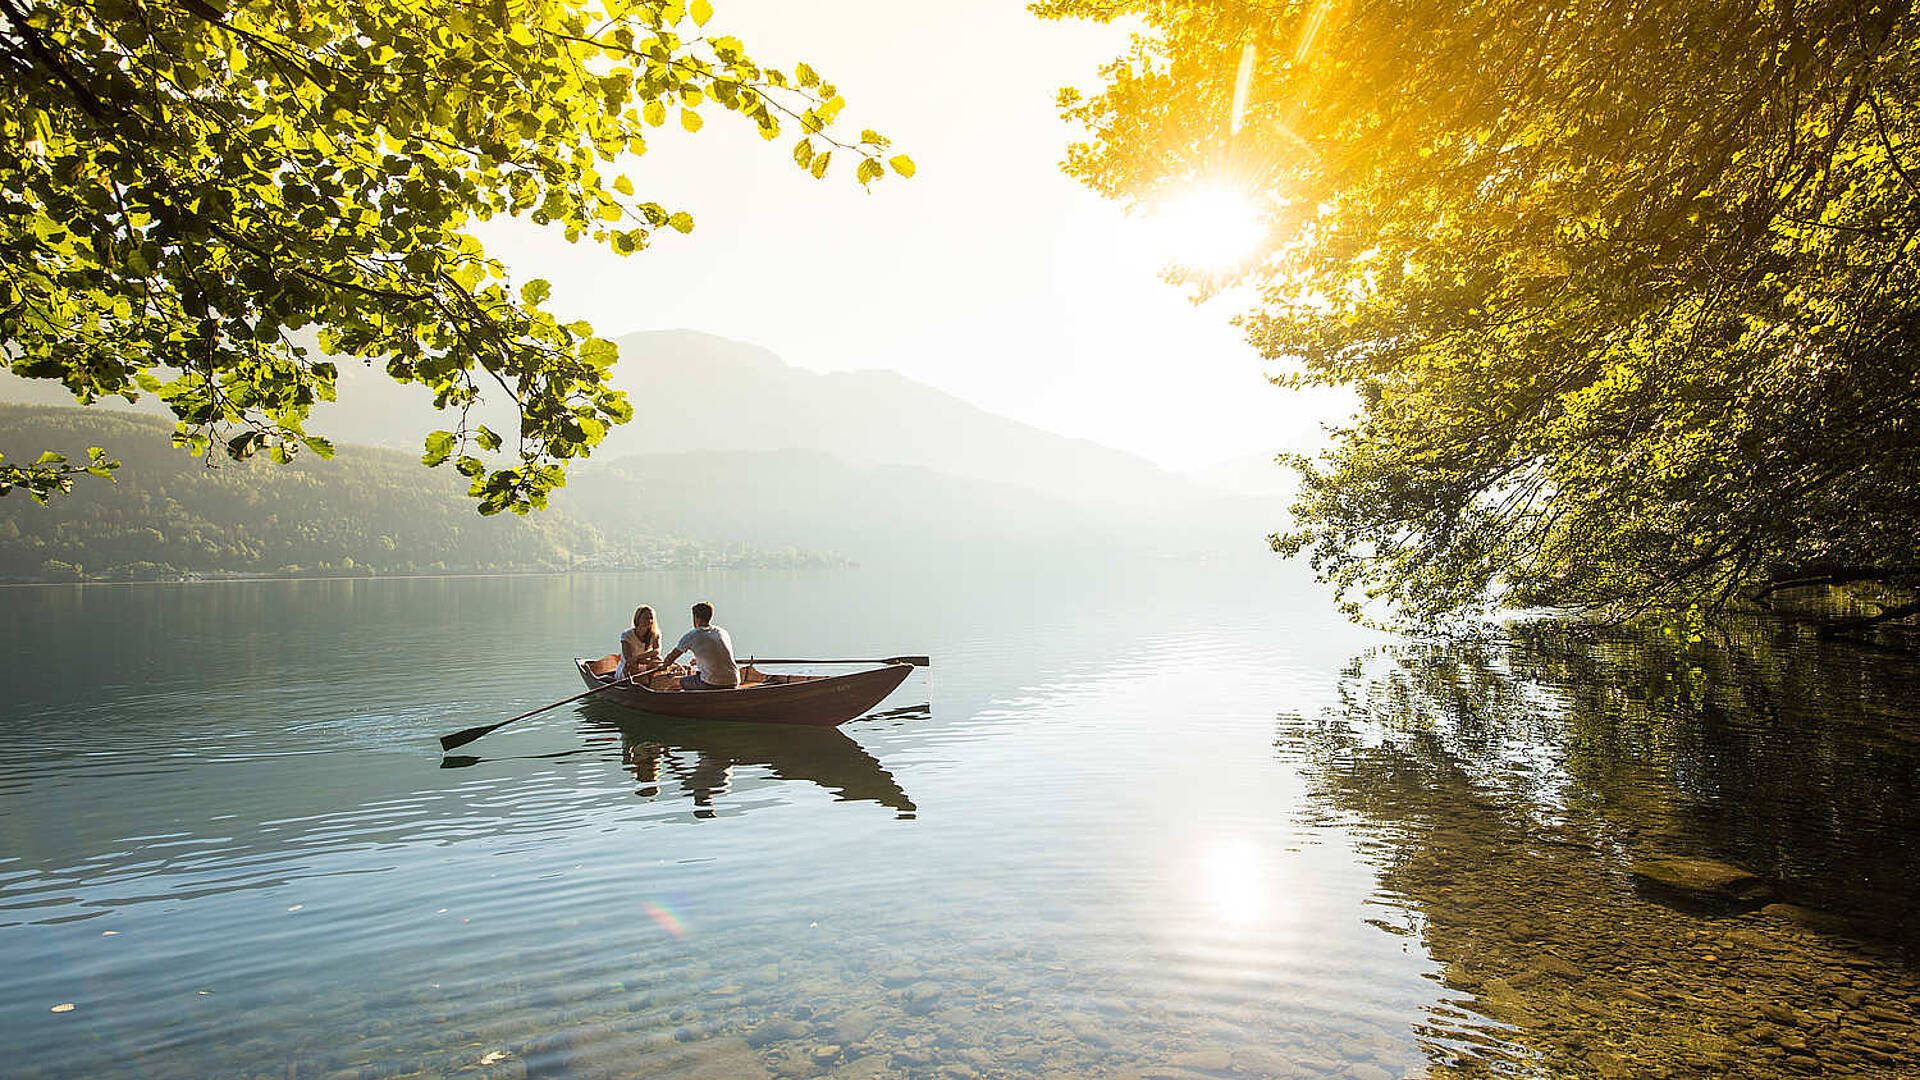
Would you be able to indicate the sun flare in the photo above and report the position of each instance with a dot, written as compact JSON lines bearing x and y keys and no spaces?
{"x":1213,"y":229}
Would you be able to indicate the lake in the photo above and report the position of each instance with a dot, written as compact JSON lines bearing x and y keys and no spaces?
{"x":1140,"y":819}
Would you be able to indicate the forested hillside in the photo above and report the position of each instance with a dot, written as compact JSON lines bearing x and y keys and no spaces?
{"x":367,"y":511}
{"x":887,"y":513}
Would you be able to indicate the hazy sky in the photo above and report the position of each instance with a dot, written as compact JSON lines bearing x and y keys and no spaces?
{"x":989,"y":275}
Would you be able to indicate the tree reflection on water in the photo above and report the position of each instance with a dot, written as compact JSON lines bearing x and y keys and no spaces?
{"x":1509,"y":789}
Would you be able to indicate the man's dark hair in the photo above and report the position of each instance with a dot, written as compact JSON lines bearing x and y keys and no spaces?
{"x":703,"y":611}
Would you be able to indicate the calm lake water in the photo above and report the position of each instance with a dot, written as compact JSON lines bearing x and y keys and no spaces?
{"x":1140,"y":820}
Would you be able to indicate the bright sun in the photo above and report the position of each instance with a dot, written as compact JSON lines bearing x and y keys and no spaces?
{"x":1210,"y":229}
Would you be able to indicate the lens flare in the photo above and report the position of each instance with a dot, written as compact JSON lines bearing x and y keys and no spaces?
{"x":665,"y":916}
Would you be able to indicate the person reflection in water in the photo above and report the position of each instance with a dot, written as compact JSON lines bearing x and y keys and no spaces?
{"x":639,"y":644}
{"x":644,"y":758}
{"x":711,"y":773}
{"x":712,"y":650}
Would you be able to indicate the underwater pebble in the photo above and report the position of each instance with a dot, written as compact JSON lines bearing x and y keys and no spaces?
{"x":774,"y":1031}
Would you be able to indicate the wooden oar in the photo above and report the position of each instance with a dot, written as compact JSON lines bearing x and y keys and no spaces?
{"x":915,"y":661}
{"x":462,"y":738}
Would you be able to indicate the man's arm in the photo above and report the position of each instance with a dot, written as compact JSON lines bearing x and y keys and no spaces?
{"x":686,"y":640}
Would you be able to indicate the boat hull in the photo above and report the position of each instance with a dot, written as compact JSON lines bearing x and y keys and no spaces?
{"x":820,"y":702}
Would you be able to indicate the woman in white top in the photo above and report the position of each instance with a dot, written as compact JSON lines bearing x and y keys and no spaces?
{"x":639,"y":644}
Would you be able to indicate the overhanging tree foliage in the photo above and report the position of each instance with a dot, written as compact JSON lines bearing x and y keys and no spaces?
{"x":1626,"y":288}
{"x":186,"y":183}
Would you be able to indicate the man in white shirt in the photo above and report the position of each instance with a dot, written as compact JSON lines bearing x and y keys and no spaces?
{"x":712,"y":651}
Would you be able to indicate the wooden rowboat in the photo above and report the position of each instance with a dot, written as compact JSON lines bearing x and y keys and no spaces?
{"x":811,"y":700}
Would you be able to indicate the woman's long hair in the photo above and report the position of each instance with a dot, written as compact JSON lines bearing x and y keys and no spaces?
{"x":650,"y":635}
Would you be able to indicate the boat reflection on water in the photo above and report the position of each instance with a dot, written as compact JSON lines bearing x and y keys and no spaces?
{"x":697,"y":758}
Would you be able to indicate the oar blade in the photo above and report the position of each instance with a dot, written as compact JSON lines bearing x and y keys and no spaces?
{"x":462,"y":738}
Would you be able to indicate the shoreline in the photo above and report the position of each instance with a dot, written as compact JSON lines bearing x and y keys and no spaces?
{"x":436,"y":575}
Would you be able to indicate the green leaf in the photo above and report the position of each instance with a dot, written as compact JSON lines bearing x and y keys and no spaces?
{"x":535,"y":292}
{"x":601,"y":353}
{"x":439,"y":448}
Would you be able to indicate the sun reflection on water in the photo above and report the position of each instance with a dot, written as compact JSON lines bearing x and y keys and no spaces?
{"x":1234,"y":878}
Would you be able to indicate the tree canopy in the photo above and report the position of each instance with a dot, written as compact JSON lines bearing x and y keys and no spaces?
{"x":1626,"y":289}
{"x":193,"y":189}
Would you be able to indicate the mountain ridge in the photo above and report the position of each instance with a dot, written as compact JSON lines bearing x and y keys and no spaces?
{"x":377,"y":510}
{"x":866,"y":417}
{"x":696,"y":391}
{"x":165,"y":515}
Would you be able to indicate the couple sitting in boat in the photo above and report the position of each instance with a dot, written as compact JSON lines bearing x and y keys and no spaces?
{"x":712,"y":649}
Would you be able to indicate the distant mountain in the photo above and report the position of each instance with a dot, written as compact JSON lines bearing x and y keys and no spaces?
{"x":368,"y":511}
{"x":889,"y":513}
{"x":812,"y":499}
{"x":1254,"y":476}
{"x":731,"y":445}
{"x":697,"y":393}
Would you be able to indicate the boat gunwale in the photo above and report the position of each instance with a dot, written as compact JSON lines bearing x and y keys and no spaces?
{"x":807,"y":697}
